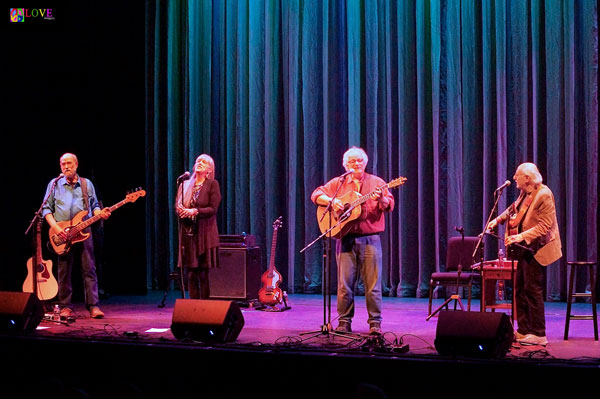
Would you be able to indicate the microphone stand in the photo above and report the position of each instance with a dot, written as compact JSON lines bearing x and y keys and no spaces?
{"x":455,"y":297}
{"x":326,"y":328}
{"x":176,"y":275}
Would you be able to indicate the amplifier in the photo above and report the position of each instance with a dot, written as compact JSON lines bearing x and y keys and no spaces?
{"x":237,"y":240}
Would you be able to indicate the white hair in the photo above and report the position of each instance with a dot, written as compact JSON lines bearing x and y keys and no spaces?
{"x":531,"y":170}
{"x":352,"y":151}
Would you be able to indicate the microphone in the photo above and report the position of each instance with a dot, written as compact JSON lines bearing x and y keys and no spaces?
{"x":459,"y":229}
{"x":183,"y":177}
{"x":502,"y":187}
{"x":349,"y":172}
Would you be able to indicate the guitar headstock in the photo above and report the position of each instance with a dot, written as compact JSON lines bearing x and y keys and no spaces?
{"x":133,"y":195}
{"x":277,"y":223}
{"x":397,"y":182}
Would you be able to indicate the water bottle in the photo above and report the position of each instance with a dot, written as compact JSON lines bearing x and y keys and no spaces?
{"x":56,"y":314}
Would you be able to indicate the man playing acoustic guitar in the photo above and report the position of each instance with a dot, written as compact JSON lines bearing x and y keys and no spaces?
{"x":359,"y":249}
{"x":70,"y":195}
{"x":531,"y":222}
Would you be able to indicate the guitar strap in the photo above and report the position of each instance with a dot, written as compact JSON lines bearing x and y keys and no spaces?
{"x":86,"y":200}
{"x":517,"y":217}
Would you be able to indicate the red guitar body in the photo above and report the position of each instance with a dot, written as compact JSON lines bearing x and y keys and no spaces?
{"x":270,"y":293}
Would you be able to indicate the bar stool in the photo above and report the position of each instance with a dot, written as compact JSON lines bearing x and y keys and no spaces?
{"x":594,"y":317}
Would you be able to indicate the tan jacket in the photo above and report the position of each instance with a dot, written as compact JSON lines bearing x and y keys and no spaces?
{"x":540,"y":227}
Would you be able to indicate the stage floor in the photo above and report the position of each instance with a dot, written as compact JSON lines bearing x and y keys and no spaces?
{"x":404,"y":322}
{"x":290,"y":346}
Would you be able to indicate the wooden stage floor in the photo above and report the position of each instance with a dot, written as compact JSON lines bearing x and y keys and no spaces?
{"x":135,"y":338}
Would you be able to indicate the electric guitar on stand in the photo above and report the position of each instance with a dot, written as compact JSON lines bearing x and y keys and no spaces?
{"x":74,"y":228}
{"x":40,"y":280}
{"x":270,"y":294}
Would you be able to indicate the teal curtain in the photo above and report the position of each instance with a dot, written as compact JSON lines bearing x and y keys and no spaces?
{"x":451,"y":94}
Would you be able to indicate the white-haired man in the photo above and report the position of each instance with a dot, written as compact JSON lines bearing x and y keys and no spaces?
{"x":359,"y":249}
{"x":531,"y":222}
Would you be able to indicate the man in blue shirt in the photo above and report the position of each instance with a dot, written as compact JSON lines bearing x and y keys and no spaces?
{"x":65,"y":199}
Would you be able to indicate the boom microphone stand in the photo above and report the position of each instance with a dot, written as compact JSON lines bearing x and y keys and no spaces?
{"x":455,"y":297}
{"x":326,"y":328}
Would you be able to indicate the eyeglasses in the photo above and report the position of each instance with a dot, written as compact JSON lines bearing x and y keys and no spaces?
{"x":354,"y":161}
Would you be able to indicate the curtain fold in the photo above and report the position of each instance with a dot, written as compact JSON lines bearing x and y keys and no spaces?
{"x":451,"y":94}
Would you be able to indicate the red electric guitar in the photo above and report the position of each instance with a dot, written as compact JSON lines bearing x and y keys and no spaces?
{"x":270,"y":294}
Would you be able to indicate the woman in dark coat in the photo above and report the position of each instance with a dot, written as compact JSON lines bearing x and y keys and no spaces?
{"x":197,"y":202}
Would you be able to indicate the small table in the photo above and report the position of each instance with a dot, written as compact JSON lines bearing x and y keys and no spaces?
{"x":493,"y":270}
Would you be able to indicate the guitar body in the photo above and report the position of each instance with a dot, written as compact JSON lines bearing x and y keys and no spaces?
{"x":345,"y":225}
{"x":47,"y":287}
{"x":61,"y":246}
{"x":270,"y":293}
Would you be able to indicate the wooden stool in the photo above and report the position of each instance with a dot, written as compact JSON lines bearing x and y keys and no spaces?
{"x":569,"y":316}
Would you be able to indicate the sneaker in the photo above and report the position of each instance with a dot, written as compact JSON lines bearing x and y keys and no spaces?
{"x":531,"y":339}
{"x":96,"y":313}
{"x":344,"y":327}
{"x":375,"y":329}
{"x":519,"y":336}
{"x":66,"y":313}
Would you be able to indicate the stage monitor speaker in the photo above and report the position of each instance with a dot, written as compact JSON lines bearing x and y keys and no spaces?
{"x":474,"y":334}
{"x":206,"y":320}
{"x":238,"y":274}
{"x":20,"y":311}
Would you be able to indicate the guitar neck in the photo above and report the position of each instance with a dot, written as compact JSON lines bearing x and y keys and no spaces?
{"x":38,"y":241}
{"x":273,"y":245}
{"x":88,"y":222}
{"x":366,"y":197}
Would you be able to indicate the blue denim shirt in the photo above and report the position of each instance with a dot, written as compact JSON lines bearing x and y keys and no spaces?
{"x":65,"y":201}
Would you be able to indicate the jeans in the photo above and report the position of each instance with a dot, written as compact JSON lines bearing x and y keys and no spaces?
{"x":84,"y":251}
{"x":359,"y":254}
{"x":530,"y":296}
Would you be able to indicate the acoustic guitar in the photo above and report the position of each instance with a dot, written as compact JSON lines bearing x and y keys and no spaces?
{"x":40,"y":280}
{"x":340,"y":221}
{"x":74,"y":228}
{"x":270,"y":294}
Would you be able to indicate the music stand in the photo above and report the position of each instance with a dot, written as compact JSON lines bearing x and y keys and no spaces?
{"x":326,"y":328}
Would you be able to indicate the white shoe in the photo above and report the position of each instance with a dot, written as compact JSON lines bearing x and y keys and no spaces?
{"x":531,"y":339}
{"x":519,"y":336}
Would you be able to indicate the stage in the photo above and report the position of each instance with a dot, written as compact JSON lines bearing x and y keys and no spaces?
{"x":132,"y":352}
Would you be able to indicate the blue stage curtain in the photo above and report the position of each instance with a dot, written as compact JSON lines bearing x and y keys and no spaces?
{"x":451,"y":94}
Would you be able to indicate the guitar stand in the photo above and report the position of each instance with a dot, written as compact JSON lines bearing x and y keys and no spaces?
{"x":275,"y":308}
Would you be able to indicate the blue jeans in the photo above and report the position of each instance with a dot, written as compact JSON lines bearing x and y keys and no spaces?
{"x":84,"y":251}
{"x":359,"y":254}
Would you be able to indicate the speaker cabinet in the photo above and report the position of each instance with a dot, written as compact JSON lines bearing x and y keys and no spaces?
{"x":20,"y":311}
{"x":206,"y":320}
{"x":238,"y":276}
{"x":474,"y":334}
